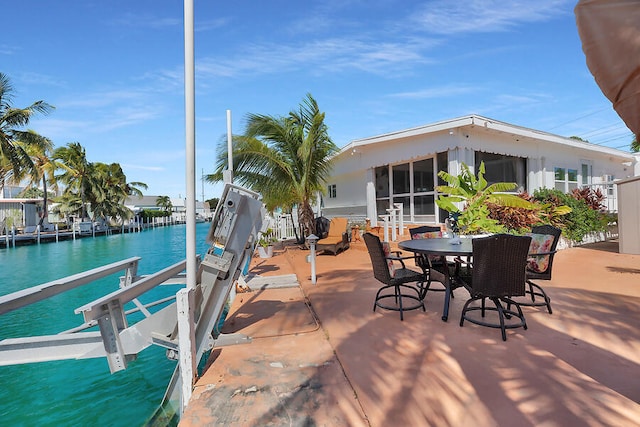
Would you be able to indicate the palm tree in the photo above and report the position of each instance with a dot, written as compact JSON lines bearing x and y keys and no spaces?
{"x":635,"y":145}
{"x":78,"y":175}
{"x":43,"y":166}
{"x":11,"y":120}
{"x":164,"y":202}
{"x":286,"y":159}
{"x":110,"y":201}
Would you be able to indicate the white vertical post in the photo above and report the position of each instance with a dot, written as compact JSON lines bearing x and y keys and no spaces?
{"x":371,"y":203}
{"x":186,"y":344}
{"x":392,"y":213}
{"x":185,"y":314}
{"x":385,"y":218}
{"x":228,"y":174}
{"x":38,"y":232}
{"x":400,"y":208}
{"x":312,"y":239}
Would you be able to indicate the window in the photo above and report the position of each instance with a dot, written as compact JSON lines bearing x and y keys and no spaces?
{"x":565,"y":179}
{"x":382,"y":181}
{"x":572,"y":179}
{"x":331,"y":191}
{"x":424,"y":205}
{"x":412,"y":184}
{"x":560,"y":178}
{"x":586,"y":174}
{"x":401,"y":182}
{"x":501,"y":168}
{"x":423,"y":176}
{"x":443,"y":165}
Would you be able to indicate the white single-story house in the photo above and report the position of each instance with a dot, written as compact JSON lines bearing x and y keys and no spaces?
{"x":20,"y":212}
{"x":179,"y":207}
{"x":370,"y":175}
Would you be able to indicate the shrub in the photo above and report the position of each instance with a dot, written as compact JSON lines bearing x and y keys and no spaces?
{"x":515,"y":219}
{"x":593,"y":198}
{"x":582,"y":219}
{"x":146,"y":214}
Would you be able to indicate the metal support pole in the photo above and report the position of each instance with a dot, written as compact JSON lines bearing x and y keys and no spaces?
{"x":186,"y":326}
{"x":228,"y":174}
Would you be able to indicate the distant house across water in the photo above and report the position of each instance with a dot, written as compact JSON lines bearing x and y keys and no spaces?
{"x":179,"y":210}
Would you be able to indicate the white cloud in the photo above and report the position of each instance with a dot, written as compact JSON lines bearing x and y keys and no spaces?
{"x":143,"y":167}
{"x":436,"y":92}
{"x":451,"y":17}
{"x":330,"y":55}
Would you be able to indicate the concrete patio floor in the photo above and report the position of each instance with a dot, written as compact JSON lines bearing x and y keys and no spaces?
{"x":321,"y":356}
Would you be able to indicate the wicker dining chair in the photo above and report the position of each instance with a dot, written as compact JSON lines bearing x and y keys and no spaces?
{"x":539,"y":267}
{"x":397,"y":279}
{"x":432,"y":266}
{"x":498,"y":275}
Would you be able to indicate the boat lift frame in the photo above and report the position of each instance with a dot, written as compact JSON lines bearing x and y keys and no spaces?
{"x":237,"y":220}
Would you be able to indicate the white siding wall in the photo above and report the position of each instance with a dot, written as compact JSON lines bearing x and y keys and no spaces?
{"x":351,"y":195}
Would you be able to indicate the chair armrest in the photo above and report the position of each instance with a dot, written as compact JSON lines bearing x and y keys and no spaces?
{"x":399,"y":257}
{"x":541,"y":253}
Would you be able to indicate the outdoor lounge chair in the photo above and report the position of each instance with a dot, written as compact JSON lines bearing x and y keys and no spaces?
{"x":337,"y":239}
{"x":544,"y":242}
{"x":498,"y":274}
{"x":396,"y":279}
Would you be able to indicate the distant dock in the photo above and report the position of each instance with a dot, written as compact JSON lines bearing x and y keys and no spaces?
{"x":13,"y":239}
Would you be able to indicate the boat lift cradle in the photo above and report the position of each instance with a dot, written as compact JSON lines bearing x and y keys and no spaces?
{"x":237,"y":220}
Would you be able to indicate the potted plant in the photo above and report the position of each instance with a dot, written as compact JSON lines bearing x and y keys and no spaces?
{"x":473,"y":193}
{"x":265,"y":244}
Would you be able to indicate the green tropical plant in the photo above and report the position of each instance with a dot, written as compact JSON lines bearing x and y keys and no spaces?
{"x":285,"y":159}
{"x":267,"y":238}
{"x":635,"y":145}
{"x":474,"y":194}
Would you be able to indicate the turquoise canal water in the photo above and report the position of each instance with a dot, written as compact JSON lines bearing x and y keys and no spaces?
{"x":83,"y":392}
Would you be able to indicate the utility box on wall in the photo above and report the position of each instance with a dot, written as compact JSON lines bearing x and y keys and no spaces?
{"x":629,"y":215}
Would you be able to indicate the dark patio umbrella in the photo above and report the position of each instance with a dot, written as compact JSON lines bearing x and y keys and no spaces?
{"x":610,"y":34}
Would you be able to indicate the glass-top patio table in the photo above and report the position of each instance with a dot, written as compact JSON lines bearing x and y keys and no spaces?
{"x":442,"y":248}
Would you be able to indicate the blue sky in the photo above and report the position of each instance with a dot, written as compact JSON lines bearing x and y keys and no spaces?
{"x":114,"y":71}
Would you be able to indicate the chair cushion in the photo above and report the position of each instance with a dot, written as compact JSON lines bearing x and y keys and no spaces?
{"x":540,"y":243}
{"x":429,"y":235}
{"x":386,"y":248}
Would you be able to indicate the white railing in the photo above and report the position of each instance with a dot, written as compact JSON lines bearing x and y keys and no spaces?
{"x":282,"y":225}
{"x":610,"y":192}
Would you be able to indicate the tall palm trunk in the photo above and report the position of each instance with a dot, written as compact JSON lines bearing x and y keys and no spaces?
{"x":45,"y":209}
{"x":305,"y":218}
